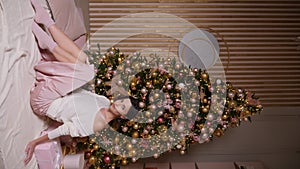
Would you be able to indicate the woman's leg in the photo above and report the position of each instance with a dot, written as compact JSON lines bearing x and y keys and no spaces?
{"x":66,"y":43}
{"x":46,"y":42}
{"x":61,"y":39}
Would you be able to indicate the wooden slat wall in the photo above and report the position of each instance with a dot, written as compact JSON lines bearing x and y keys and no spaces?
{"x":260,"y":37}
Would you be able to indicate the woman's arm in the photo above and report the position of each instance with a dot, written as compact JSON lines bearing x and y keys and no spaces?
{"x":31,"y":146}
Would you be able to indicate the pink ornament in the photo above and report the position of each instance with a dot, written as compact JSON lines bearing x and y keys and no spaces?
{"x":146,"y":131}
{"x":178,"y":105}
{"x":167,"y":96}
{"x":230,"y":94}
{"x":127,"y":62}
{"x":144,"y":91}
{"x":160,"y":113}
{"x":197,"y":83}
{"x":141,"y":104}
{"x":160,"y":120}
{"x":169,"y":87}
{"x":107,"y":159}
{"x":108,"y":75}
{"x":234,"y":120}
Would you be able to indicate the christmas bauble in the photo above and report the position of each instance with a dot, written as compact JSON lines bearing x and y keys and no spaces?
{"x":106,"y":159}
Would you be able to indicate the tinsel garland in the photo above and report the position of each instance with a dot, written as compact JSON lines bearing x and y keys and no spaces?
{"x":174,"y":100}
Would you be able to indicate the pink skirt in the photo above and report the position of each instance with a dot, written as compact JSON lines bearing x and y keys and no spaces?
{"x":57,"y":79}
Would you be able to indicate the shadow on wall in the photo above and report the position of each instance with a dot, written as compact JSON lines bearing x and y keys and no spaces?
{"x":84,"y":5}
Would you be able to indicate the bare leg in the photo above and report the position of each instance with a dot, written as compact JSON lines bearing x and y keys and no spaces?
{"x":59,"y":37}
{"x":66,"y":43}
{"x":46,"y":42}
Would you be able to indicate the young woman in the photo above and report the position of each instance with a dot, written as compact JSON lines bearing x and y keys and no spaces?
{"x":57,"y":93}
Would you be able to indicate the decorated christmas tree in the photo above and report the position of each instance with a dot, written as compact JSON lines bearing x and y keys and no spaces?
{"x":179,"y":106}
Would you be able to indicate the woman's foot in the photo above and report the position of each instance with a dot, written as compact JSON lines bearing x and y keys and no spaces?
{"x":41,"y":15}
{"x":44,"y":40}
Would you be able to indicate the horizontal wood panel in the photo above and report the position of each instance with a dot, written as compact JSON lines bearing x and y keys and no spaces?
{"x":259,"y":39}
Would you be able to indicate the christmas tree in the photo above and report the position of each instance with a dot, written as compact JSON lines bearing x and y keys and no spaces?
{"x":179,"y":106}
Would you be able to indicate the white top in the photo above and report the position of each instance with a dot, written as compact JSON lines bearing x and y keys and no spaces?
{"x":77,"y":111}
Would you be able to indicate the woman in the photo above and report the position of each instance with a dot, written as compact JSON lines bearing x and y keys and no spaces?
{"x":57,"y":93}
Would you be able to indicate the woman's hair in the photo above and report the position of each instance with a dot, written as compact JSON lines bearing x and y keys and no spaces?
{"x":134,"y":109}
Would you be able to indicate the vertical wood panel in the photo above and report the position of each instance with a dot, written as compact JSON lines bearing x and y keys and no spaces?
{"x":262,"y":38}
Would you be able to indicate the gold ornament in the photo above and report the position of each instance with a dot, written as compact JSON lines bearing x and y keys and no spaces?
{"x":132,"y":153}
{"x":162,"y":129}
{"x":132,"y":84}
{"x":204,"y":110}
{"x":92,"y":160}
{"x":156,"y":95}
{"x":204,"y":76}
{"x":177,"y":66}
{"x":200,"y":126}
{"x":154,"y":74}
{"x":96,"y":147}
{"x":247,"y":113}
{"x":136,"y":126}
{"x":219,"y":132}
{"x":148,"y":83}
{"x":112,"y":48}
{"x":172,"y":109}
{"x":224,"y":117}
{"x":117,"y":139}
{"x":124,"y":162}
{"x":92,"y":140}
{"x":120,"y":60}
{"x":135,"y":134}
{"x":147,"y":113}
{"x":129,"y":146}
{"x":232,"y":104}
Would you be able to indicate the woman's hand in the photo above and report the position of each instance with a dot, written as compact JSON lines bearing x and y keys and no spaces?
{"x":29,"y":151}
{"x":31,"y":146}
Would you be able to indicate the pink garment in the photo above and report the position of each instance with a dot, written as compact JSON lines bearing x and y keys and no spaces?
{"x":57,"y":79}
{"x":81,"y":42}
{"x":48,"y":56}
